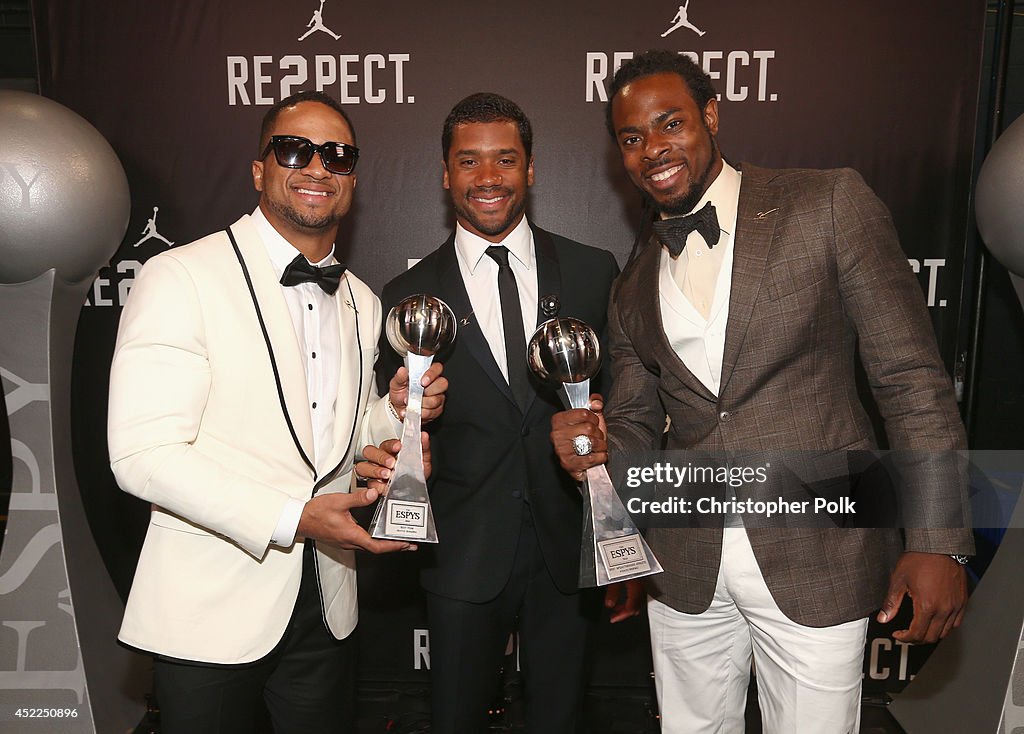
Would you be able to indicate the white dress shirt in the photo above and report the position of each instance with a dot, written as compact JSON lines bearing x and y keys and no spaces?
{"x":698,"y":340}
{"x":318,"y":339}
{"x":480,"y":275}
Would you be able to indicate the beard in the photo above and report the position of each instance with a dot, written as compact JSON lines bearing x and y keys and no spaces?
{"x":685,"y":202}
{"x":305,"y":221}
{"x":490,"y":228}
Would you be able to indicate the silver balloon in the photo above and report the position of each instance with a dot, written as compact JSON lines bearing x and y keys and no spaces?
{"x":564,"y":350}
{"x":999,"y":198}
{"x":420,"y":324}
{"x":64,"y":201}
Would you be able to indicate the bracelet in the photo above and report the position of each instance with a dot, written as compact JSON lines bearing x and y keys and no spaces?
{"x":391,"y":409}
{"x":961,"y":560}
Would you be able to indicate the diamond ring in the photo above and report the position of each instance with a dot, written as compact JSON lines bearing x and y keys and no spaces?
{"x":582,"y":445}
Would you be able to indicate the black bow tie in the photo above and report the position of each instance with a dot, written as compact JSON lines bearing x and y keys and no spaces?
{"x":300,"y":271}
{"x":673,"y":232}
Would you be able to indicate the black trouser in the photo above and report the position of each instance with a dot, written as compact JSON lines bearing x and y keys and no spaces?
{"x":307,"y":681}
{"x":468,"y":641}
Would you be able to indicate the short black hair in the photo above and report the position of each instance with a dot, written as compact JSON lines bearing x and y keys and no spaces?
{"x":658,"y":61}
{"x":486,"y":107}
{"x":309,"y":95}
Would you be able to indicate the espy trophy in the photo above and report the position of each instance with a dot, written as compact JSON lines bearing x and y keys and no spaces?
{"x":418,"y":327}
{"x":566,"y":353}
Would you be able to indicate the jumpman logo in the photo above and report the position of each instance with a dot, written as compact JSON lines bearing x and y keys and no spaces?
{"x":150,"y":233}
{"x":316,"y":23}
{"x":681,"y":21}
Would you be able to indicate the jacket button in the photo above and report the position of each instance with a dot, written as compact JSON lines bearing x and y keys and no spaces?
{"x":724,"y":415}
{"x":525,"y":431}
{"x":517,"y":493}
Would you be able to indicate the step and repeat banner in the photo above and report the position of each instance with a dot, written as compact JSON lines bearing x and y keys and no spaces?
{"x":179,"y":90}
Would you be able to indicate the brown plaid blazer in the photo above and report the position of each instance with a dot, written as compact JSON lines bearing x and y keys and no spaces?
{"x":818,"y":277}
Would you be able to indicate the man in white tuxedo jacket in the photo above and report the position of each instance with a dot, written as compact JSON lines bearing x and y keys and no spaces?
{"x":241,"y":390}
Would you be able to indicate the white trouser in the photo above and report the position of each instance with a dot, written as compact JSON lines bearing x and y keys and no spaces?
{"x":808,"y":678}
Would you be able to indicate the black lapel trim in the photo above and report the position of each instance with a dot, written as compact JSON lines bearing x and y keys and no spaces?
{"x":329,"y":476}
{"x":270,"y":352}
{"x":319,"y":585}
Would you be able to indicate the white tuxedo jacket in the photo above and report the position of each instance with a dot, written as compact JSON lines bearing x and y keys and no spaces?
{"x":198,"y":427}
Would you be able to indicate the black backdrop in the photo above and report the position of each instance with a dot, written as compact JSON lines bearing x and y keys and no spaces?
{"x":179,"y":88}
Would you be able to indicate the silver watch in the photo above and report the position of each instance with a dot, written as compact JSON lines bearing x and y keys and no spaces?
{"x":962,"y":560}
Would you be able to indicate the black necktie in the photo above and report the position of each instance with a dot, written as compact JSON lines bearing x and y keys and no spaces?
{"x":300,"y":271}
{"x":512,"y":320}
{"x":673,"y":232}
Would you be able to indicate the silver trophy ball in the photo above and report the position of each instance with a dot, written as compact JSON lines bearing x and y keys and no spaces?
{"x":421,"y":324}
{"x":564,"y":350}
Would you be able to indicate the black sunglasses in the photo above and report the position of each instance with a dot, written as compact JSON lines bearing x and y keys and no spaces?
{"x":291,"y":151}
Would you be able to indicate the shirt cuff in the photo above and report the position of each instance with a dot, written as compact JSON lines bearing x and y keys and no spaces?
{"x":288,"y":523}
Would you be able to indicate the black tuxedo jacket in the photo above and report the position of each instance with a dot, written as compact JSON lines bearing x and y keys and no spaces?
{"x":488,"y":456}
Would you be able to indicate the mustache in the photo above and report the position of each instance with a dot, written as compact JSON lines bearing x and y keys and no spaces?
{"x":306,"y":182}
{"x":489,"y":191}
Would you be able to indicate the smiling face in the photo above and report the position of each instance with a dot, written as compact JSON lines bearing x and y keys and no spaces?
{"x":667,"y":143}
{"x":305,"y":203}
{"x":487,"y":173}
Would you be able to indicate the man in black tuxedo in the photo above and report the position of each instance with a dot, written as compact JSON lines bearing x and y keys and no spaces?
{"x":508,"y":518}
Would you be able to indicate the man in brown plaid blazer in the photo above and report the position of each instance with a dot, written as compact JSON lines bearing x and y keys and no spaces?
{"x":745,"y":332}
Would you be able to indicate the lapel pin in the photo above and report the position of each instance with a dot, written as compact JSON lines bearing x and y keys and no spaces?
{"x":351,"y":305}
{"x":550,"y":305}
{"x":762,"y":215}
{"x":465,"y":320}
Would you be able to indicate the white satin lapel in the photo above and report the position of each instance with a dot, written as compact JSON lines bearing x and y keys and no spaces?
{"x":281,"y":330}
{"x":351,"y":380}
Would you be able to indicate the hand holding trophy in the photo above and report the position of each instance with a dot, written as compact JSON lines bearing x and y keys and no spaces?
{"x":566,"y":353}
{"x":418,"y":327}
